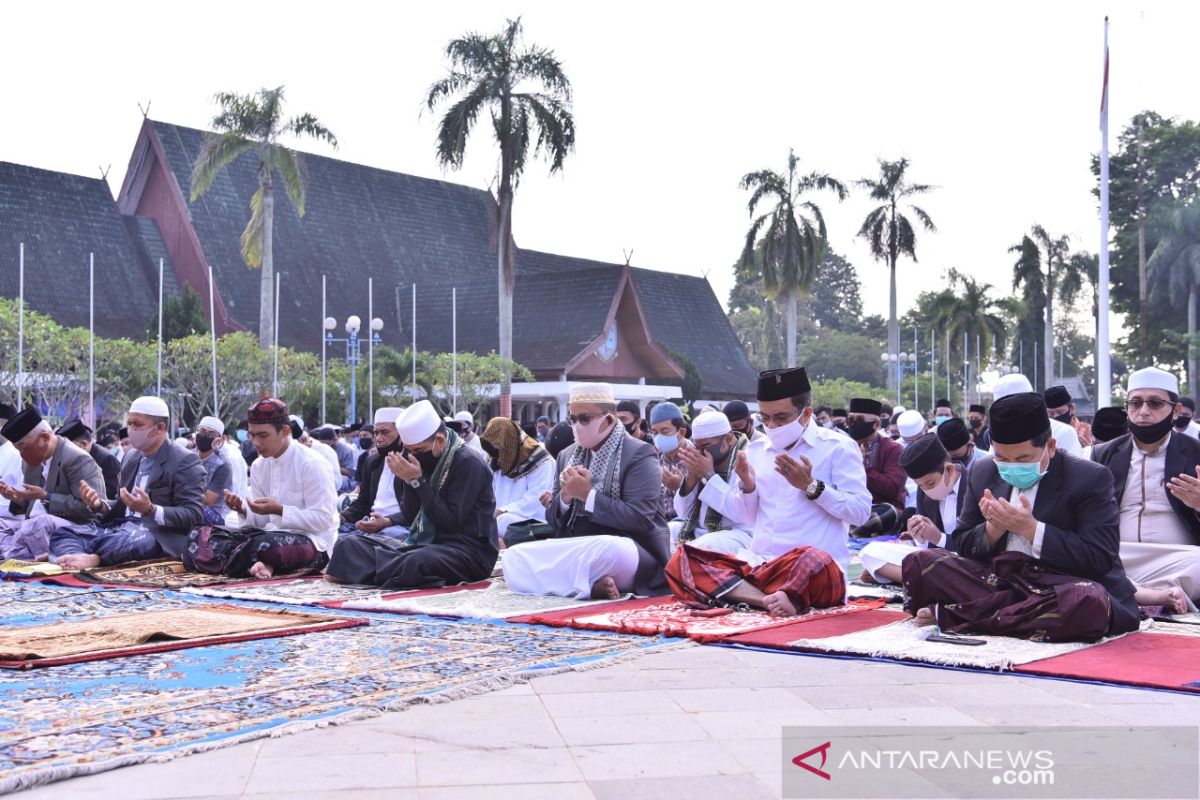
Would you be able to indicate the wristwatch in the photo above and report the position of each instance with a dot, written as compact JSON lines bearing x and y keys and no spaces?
{"x":814,"y":489}
{"x":415,"y":483}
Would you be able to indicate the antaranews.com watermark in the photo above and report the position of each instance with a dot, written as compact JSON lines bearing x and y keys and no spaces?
{"x":1157,"y":763}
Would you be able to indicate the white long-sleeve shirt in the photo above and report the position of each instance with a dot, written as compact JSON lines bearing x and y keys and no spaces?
{"x":239,"y":474}
{"x":12,"y":472}
{"x":783,"y":518}
{"x":716,"y":494}
{"x":299,"y":480}
{"x":522,"y":496}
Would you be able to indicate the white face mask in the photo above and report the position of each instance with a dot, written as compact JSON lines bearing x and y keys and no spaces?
{"x":141,"y":439}
{"x":785,"y":435}
{"x":592,"y":434}
{"x":939,"y":492}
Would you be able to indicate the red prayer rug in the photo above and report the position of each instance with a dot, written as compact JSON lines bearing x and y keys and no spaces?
{"x":665,"y":616}
{"x":1152,"y":659}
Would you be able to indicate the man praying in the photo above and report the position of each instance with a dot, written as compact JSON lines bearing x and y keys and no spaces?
{"x":707,"y":500}
{"x":159,"y":502}
{"x":50,"y":492}
{"x":446,"y":503}
{"x":217,"y":470}
{"x":82,"y":437}
{"x":612,"y":535}
{"x":376,"y":507}
{"x":1036,"y":547}
{"x":289,"y":519}
{"x":800,"y":489}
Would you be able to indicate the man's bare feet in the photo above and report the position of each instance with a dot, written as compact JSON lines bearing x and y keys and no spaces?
{"x":605,"y":589}
{"x":79,"y":561}
{"x":779,"y":604}
{"x":261,"y":571}
{"x":1173,"y":600}
{"x":925,"y":617}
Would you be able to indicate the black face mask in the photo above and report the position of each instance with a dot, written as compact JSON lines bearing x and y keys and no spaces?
{"x":395,"y":447}
{"x":364,"y":442}
{"x":1149,"y":434}
{"x":976,"y":424}
{"x":204,"y":442}
{"x":631,"y":428}
{"x":427,"y":460}
{"x":1065,"y":419}
{"x":860,"y":430}
{"x":885,"y":423}
{"x":1182,"y":422}
{"x":718,"y":451}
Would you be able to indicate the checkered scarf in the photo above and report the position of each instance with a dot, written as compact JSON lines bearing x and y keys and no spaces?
{"x":604,"y":464}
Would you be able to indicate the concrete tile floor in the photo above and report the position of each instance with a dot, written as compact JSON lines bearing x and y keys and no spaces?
{"x":697,"y":722}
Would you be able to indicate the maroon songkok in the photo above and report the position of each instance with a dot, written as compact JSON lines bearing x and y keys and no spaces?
{"x":268,"y":411}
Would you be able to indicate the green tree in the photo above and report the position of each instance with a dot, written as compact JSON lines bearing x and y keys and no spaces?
{"x":479,"y":379}
{"x":183,"y":315}
{"x":836,"y":301}
{"x":890,"y":233}
{"x":692,"y":385}
{"x":837,"y":392}
{"x":793,"y":235}
{"x":528,"y":96}
{"x":1174,"y":267}
{"x":254,"y":124}
{"x":1046,"y":270}
{"x":831,"y":354}
{"x":964,"y":310}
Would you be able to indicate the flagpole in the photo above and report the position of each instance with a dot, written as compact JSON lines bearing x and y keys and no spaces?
{"x":324,"y":334}
{"x":454,"y":348}
{"x":916,"y":373}
{"x":1103,"y":368}
{"x":275,"y":344}
{"x":21,"y":329}
{"x":212,"y":317}
{"x":414,"y":339}
{"x":932,"y":365}
{"x":370,"y":350}
{"x":160,"y":325}
{"x":92,"y":339}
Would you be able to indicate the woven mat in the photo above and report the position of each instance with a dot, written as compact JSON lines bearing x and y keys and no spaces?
{"x":904,"y":641}
{"x":316,"y":592}
{"x":157,"y":574}
{"x":494,"y":602}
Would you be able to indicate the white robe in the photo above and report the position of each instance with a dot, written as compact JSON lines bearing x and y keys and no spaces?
{"x":239,"y":473}
{"x":12,"y":472}
{"x":299,"y":479}
{"x":734,"y":534}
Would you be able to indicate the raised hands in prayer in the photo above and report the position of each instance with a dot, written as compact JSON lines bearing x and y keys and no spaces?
{"x":90,"y":497}
{"x":1186,"y":488}
{"x":234,"y":502}
{"x":797,"y":473}
{"x":671,"y":477}
{"x":137,"y":500}
{"x":745,"y":472}
{"x":576,"y":483}
{"x":373,"y":524}
{"x":27,"y":494}
{"x":404,"y":466}
{"x":699,"y":463}
{"x":265,"y":506}
{"x":922,"y":529}
{"x":1002,"y":515}
{"x":545,"y":499}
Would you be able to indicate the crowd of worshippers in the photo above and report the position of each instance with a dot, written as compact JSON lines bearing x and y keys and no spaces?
{"x":1015,"y":520}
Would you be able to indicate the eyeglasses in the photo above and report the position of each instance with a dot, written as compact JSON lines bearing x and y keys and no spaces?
{"x":1154,"y":404}
{"x":782,"y":418}
{"x":582,"y":419}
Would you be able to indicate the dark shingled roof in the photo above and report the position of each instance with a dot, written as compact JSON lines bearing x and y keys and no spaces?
{"x":359,"y":222}
{"x":61,"y":218}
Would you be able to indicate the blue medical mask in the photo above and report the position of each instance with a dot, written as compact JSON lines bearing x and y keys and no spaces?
{"x":243,"y":435}
{"x":940,"y":420}
{"x":1021,"y":476}
{"x":666,"y":442}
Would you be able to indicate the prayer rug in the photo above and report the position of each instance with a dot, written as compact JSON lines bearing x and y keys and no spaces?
{"x":315,"y":591}
{"x":781,"y":637}
{"x":161,"y":706}
{"x":494,"y":602}
{"x":906,"y":641}
{"x":158,"y":574}
{"x":1157,"y":658}
{"x":661,"y":616}
{"x":121,"y":635}
{"x":15,"y":568}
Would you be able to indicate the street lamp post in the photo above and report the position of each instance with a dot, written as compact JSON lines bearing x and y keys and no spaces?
{"x":353,"y":325}
{"x":901,"y":362}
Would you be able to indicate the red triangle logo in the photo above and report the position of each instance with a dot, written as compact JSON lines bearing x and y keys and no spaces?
{"x":819,"y":771}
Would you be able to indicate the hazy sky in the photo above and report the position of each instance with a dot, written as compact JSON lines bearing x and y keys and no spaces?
{"x":674,"y":102}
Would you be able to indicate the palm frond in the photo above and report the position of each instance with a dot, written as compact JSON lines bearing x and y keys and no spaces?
{"x":252,"y":237}
{"x":216,"y":152}
{"x":310,"y":126}
{"x":457,"y":123}
{"x":290,"y":165}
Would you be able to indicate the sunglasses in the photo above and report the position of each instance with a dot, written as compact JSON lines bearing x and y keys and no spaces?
{"x":582,"y":419}
{"x":1153,"y":403}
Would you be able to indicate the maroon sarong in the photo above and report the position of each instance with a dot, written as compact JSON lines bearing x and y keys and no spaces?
{"x":809,"y":577}
{"x":1014,"y":595}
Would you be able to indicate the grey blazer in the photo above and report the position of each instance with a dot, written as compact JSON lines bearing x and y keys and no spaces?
{"x":635,"y":513}
{"x":176,"y":485}
{"x":68,"y":466}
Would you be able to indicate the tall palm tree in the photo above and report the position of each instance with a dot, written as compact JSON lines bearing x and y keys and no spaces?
{"x":254,"y":124}
{"x":1174,"y":265}
{"x":528,"y":96}
{"x":1046,"y":264}
{"x":794,"y":241}
{"x":890,"y":233}
{"x":965,"y":310}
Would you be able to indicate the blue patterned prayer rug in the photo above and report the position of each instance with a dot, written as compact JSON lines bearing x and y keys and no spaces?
{"x":59,"y":722}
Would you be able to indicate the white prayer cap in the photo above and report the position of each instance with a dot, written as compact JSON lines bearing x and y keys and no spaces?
{"x":897,"y":411}
{"x":298,"y":420}
{"x":463,"y":416}
{"x":388,"y":414}
{"x":1153,"y":378}
{"x":418,"y":423}
{"x":910,"y":423}
{"x":150,"y":406}
{"x":710,"y":424}
{"x":182,"y":441}
{"x":1016,"y":383}
{"x":213,"y":424}
{"x":598,"y":393}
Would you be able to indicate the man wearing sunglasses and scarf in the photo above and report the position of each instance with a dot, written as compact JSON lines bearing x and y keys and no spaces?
{"x":1156,"y":477}
{"x":611,"y":534}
